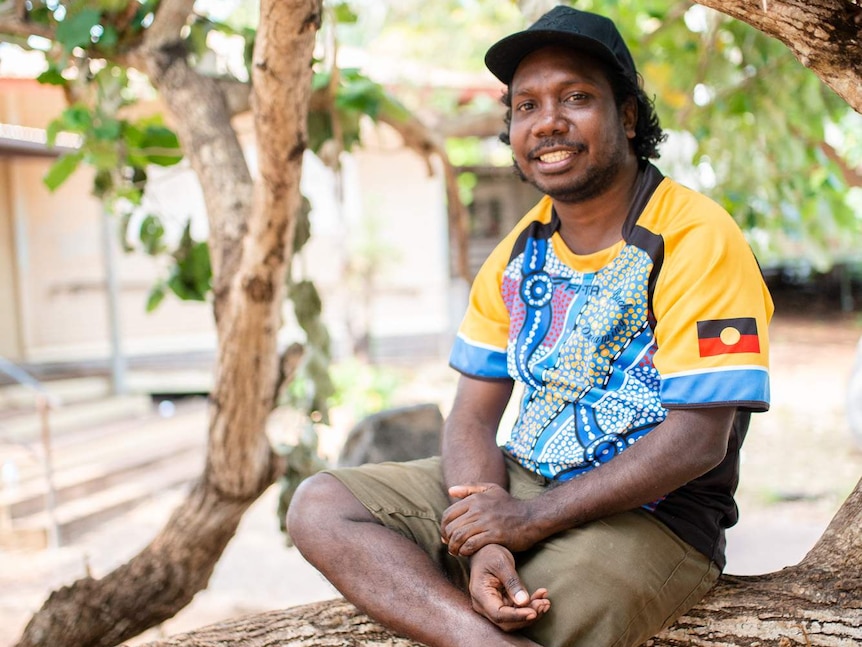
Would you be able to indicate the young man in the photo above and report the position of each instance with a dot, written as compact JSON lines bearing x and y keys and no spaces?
{"x":634,"y":315}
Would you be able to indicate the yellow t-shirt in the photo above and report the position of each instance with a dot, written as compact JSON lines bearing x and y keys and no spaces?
{"x":673,"y":316}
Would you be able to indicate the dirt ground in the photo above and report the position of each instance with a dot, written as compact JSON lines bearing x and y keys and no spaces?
{"x":798,"y":465}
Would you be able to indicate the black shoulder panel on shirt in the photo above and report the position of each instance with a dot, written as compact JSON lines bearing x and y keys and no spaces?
{"x":653,"y":244}
{"x":536,"y":230}
{"x":648,"y":180}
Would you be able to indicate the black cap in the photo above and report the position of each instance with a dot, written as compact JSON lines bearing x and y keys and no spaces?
{"x":565,"y":26}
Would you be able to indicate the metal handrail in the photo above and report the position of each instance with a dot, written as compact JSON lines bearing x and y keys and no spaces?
{"x":45,"y":401}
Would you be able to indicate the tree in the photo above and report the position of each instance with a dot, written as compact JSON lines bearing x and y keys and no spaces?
{"x":251,"y":225}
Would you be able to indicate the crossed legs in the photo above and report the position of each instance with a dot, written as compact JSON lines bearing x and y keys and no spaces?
{"x":384,"y":573}
{"x":614,"y":582}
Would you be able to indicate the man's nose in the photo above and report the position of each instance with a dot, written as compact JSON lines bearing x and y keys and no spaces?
{"x":550,"y":121}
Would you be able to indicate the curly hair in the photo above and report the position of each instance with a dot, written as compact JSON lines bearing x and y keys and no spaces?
{"x":648,"y":131}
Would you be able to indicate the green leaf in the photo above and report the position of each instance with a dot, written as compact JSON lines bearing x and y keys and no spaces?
{"x":302,"y":227}
{"x":319,"y":129}
{"x":102,"y":154}
{"x":191,"y":275}
{"x":306,"y":303}
{"x":62,"y":169}
{"x":160,"y":145}
{"x":103,"y":183}
{"x":51,"y":76}
{"x":156,"y":296}
{"x":362,"y":95}
{"x":108,"y":129}
{"x":74,"y":31}
{"x":344,"y":14}
{"x":320,"y":80}
{"x":76,"y":118}
{"x":151,"y":234}
{"x":109,"y":38}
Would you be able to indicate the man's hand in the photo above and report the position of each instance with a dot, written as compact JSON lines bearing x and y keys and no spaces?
{"x":486,"y":514}
{"x":498,"y":594}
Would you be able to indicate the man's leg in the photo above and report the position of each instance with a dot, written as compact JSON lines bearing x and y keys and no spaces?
{"x":382,"y":571}
{"x":615,"y":582}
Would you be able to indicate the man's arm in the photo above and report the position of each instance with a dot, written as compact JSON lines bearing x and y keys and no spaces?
{"x":470,"y":454}
{"x":470,"y":451}
{"x":686,"y":445}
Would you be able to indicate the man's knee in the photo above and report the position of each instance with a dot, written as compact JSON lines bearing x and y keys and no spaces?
{"x":321,"y":502}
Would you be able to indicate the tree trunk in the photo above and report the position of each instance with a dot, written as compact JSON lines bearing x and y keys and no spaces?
{"x":814,"y":603}
{"x":825,"y":35}
{"x":818,"y":602}
{"x":250,"y":231}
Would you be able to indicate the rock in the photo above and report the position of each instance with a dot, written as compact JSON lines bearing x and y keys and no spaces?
{"x":394,"y":435}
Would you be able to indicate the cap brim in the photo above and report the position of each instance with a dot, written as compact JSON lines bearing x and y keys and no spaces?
{"x":503,"y":58}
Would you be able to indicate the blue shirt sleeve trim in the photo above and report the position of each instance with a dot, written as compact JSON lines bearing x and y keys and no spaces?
{"x":746,"y":387}
{"x":479,"y":361}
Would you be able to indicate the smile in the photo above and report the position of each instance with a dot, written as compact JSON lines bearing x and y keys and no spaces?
{"x":555,"y":156}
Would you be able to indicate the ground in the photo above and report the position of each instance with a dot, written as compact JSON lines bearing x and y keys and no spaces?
{"x":799,"y":463}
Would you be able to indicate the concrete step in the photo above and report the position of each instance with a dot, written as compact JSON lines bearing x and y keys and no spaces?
{"x":26,"y":425}
{"x":73,"y":518}
{"x":109,"y":455}
{"x":100,"y":460}
{"x":143,"y":431}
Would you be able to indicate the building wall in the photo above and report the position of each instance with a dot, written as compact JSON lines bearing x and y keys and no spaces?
{"x":385,"y":212}
{"x":53,"y":271}
{"x":10,"y":341}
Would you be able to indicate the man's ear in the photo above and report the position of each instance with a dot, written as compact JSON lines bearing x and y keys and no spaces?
{"x":630,"y":116}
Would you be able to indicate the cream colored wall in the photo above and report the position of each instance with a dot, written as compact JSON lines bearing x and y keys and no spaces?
{"x":62,"y":287}
{"x":54,"y":276}
{"x":10,"y":342}
{"x":53,"y":270}
{"x":393,"y":205}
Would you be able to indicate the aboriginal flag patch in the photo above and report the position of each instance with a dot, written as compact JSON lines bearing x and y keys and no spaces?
{"x":722,"y":336}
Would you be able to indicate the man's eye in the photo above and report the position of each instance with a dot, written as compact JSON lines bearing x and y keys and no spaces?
{"x":576,"y":97}
{"x":524,"y":105}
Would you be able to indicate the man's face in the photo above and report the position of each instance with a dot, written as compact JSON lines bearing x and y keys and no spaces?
{"x":568,"y":137}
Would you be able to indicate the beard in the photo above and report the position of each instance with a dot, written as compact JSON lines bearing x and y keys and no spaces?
{"x":591,"y":183}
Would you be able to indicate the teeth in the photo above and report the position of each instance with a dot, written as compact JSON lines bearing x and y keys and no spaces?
{"x":556,"y":156}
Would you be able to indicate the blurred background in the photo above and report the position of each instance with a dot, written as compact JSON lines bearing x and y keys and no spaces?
{"x":107,"y":341}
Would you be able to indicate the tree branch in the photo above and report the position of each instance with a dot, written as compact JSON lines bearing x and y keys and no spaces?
{"x":823,"y":34}
{"x":170,"y":18}
{"x":15,"y":25}
{"x":852,"y":176}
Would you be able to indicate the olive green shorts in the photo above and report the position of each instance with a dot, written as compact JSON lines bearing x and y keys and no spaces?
{"x":613,"y":582}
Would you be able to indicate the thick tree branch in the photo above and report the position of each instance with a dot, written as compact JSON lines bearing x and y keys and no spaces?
{"x":816,"y":603}
{"x":14,"y":25}
{"x":248,"y":357}
{"x":249,"y":244}
{"x":175,"y":566}
{"x":171,"y":17}
{"x":825,"y":35}
{"x":201,"y":118}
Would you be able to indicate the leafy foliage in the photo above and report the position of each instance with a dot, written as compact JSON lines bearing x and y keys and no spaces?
{"x":189,"y":275}
{"x":90,"y":35}
{"x":768,"y":136}
{"x":759,"y":120}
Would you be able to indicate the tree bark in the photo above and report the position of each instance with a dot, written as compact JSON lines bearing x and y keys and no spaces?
{"x":250,"y":230}
{"x":818,"y":603}
{"x":825,"y":35}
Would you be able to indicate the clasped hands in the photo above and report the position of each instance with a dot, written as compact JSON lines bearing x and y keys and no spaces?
{"x":488,"y":525}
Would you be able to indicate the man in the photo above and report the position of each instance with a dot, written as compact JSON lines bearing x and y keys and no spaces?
{"x":633,"y":314}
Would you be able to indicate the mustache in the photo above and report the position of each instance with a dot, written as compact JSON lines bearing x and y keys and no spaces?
{"x":550,"y":144}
